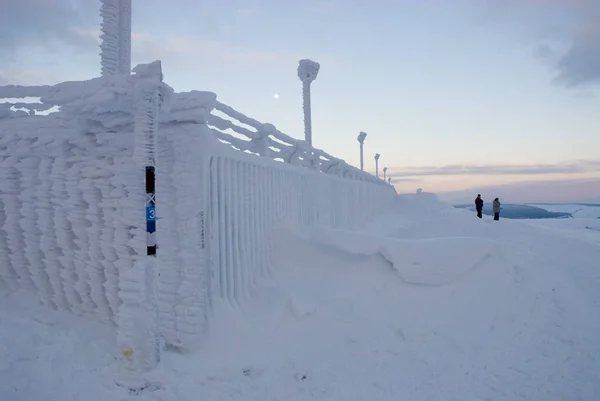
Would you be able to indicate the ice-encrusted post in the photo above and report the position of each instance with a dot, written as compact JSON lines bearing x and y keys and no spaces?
{"x":377,"y":164}
{"x":138,"y":329}
{"x":115,"y":49}
{"x":307,"y":72}
{"x":151,"y":209}
{"x":385,"y":173}
{"x":390,"y":180}
{"x":361,"y":140}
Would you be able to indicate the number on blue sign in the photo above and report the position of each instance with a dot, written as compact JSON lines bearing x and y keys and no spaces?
{"x":150,"y":213}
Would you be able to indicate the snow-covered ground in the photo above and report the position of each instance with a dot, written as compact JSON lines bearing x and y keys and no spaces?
{"x":585,"y":224}
{"x":427,"y":303}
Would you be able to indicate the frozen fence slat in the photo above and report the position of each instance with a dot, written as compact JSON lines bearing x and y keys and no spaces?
{"x":223,"y":124}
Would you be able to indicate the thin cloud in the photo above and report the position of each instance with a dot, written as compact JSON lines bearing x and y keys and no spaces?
{"x":23,"y":76}
{"x":405,"y":179}
{"x":26,"y":22}
{"x":324,"y":7}
{"x":566,"y":35}
{"x":185,"y":51}
{"x":574,"y":190}
{"x":245,"y":12}
{"x":538,"y":169}
{"x":178,"y":52}
{"x":580,"y":65}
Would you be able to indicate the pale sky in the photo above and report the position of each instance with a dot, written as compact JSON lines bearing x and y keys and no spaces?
{"x":454,"y":94}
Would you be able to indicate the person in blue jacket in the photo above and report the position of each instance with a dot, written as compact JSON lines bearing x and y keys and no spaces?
{"x":479,"y":205}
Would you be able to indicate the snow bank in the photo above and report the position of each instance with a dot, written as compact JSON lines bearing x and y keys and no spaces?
{"x":416,"y":261}
{"x":339,"y":321}
{"x":408,"y":246}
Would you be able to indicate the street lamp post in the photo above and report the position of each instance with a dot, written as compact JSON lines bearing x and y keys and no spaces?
{"x":384,"y":173}
{"x":115,"y":35}
{"x":361,"y":140}
{"x":377,"y":164}
{"x":307,"y":72}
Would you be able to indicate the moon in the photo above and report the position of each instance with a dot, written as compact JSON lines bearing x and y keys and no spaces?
{"x":276,"y":95}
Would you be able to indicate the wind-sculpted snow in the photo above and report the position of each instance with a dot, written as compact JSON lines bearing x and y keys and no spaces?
{"x":72,"y":199}
{"x":60,"y":189}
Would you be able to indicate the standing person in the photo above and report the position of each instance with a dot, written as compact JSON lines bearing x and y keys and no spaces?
{"x":479,"y":205}
{"x":497,"y":207}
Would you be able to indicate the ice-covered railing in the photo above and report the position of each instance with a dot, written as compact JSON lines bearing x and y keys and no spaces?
{"x":225,"y":184}
{"x":25,"y":101}
{"x":98,"y":104}
{"x":72,"y":191}
{"x":249,"y":135}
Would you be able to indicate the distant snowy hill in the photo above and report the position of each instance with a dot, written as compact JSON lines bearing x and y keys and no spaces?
{"x":576,"y":210}
{"x":510,"y":211}
{"x":541,"y":210}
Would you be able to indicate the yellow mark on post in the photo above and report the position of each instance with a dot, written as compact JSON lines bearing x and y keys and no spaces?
{"x":127,"y":353}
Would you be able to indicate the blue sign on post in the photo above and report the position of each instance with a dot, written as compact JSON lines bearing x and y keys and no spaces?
{"x":150,"y":219}
{"x":150,"y":211}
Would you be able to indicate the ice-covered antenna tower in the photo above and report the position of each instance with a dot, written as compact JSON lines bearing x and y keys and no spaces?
{"x":377,"y":164}
{"x":361,"y":140}
{"x":115,"y":49}
{"x":307,"y":72}
{"x":385,"y":173}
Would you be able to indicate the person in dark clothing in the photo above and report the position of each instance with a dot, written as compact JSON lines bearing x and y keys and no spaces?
{"x":479,"y":205}
{"x":497,"y":207}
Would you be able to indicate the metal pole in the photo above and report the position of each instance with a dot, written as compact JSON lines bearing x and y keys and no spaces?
{"x":361,"y":140}
{"x":307,"y":112}
{"x":115,"y":48}
{"x":307,"y":72}
{"x":362,"y":162}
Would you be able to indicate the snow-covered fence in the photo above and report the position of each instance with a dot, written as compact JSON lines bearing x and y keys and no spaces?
{"x":225,"y":182}
{"x":72,"y":194}
{"x":251,"y":136}
{"x":71,"y":191}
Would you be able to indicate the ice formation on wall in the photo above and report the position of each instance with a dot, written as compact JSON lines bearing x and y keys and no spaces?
{"x":72,"y":196}
{"x":115,"y":49}
{"x":69,"y":199}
